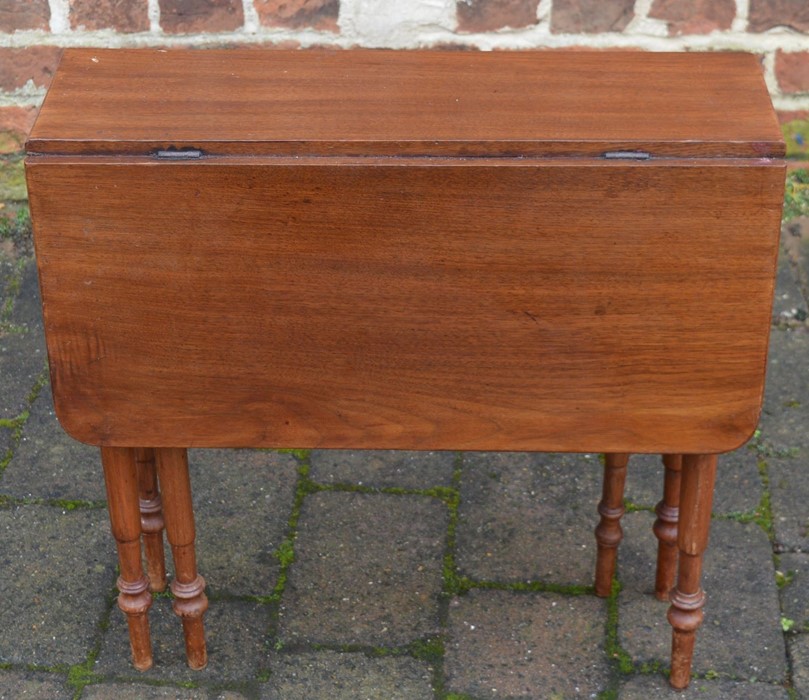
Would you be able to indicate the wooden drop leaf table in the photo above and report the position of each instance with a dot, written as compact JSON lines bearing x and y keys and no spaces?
{"x":405,"y":250}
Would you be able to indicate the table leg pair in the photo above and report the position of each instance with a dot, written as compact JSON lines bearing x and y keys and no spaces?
{"x":682,"y":525}
{"x":136,"y":509}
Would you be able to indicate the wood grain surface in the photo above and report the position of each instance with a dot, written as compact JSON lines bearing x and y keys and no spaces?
{"x":407,"y":103}
{"x":559,"y":304}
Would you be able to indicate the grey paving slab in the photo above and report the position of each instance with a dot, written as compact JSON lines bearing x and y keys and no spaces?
{"x":30,"y":685}
{"x":647,"y":687}
{"x":788,"y":301}
{"x":528,"y":517}
{"x":799,"y":656}
{"x":742,"y":603}
{"x":795,"y":590}
{"x":242,"y":503}
{"x":236,"y":633}
{"x":526,"y":645}
{"x":789,"y":487}
{"x":141,"y":691}
{"x":738,"y":483}
{"x":22,"y":354}
{"x":48,"y":463}
{"x":367,"y":570}
{"x":383,"y":468}
{"x":57,"y":571}
{"x":797,"y":244}
{"x":784,"y":421}
{"x":6,"y":444}
{"x":330,"y":675}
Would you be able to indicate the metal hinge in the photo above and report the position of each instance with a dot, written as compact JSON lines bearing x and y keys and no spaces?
{"x":627,"y":155}
{"x":185,"y":154}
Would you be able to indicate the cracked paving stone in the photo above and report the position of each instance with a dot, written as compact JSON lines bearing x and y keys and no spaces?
{"x":528,"y":517}
{"x":57,"y":571}
{"x":742,"y":603}
{"x":236,"y":634}
{"x":367,"y":570}
{"x":526,"y":645}
{"x":383,"y":468}
{"x":329,"y":675}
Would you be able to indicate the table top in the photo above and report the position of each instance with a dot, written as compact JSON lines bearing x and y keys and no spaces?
{"x":407,"y":103}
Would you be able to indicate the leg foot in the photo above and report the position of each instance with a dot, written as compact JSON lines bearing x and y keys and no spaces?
{"x":608,"y":532}
{"x":151,"y":519}
{"x":688,"y":598}
{"x":190,"y":602}
{"x":121,"y":478}
{"x":665,"y":527}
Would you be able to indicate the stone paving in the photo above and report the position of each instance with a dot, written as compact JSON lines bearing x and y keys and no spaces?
{"x":412,"y":576}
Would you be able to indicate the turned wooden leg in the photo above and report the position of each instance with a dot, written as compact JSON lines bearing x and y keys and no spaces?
{"x":665,"y":527}
{"x":687,"y":598}
{"x":121,"y":477}
{"x":151,"y":519}
{"x":608,"y":530}
{"x":188,"y":586}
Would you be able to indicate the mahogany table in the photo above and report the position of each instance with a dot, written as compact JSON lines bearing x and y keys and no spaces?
{"x":417,"y":250}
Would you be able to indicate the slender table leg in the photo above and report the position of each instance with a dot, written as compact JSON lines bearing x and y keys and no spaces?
{"x":665,"y":527}
{"x":121,"y":477}
{"x":188,"y":587}
{"x":688,"y":598}
{"x":608,"y":530}
{"x":151,"y":519}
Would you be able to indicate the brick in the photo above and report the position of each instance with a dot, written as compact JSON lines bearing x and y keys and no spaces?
{"x":766,"y":14}
{"x":121,"y":15}
{"x":189,"y":16}
{"x":784,"y":117}
{"x":792,"y":71}
{"x":694,"y":16}
{"x":31,"y":14}
{"x":18,"y":66}
{"x":591,"y":16}
{"x":489,"y":15}
{"x":319,"y":14}
{"x":15,"y":123}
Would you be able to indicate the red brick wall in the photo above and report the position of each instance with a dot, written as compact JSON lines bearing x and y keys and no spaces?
{"x":32,"y":33}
